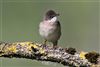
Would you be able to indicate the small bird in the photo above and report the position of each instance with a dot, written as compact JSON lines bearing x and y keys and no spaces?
{"x":50,"y":28}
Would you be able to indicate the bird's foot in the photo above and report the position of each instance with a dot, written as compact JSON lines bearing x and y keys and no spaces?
{"x":44,"y":45}
{"x":55,"y":47}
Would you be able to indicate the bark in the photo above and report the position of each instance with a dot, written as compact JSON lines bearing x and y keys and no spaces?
{"x":66,"y":56}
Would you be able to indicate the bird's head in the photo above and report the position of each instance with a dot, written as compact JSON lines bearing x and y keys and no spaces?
{"x":50,"y":14}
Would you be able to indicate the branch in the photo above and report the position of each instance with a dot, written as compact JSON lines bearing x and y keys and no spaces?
{"x":65,"y":56}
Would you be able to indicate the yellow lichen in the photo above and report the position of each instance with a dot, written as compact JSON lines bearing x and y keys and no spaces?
{"x":82,"y":55}
{"x":12,"y":48}
{"x":42,"y":51}
{"x":29,"y":47}
{"x":35,"y":46}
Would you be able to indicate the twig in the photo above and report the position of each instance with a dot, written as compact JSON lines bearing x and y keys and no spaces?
{"x":65,"y":56}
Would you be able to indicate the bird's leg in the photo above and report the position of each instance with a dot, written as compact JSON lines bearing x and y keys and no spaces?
{"x":44,"y":43}
{"x":55,"y":44}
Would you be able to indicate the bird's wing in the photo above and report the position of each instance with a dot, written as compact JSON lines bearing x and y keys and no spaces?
{"x":59,"y":26}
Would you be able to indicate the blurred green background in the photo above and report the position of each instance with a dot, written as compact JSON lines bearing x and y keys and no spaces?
{"x":19,"y":20}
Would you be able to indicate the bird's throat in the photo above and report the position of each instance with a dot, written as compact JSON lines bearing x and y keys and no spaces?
{"x":54,"y":19}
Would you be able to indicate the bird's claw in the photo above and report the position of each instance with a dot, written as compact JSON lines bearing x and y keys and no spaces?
{"x":44,"y":45}
{"x":55,"y":47}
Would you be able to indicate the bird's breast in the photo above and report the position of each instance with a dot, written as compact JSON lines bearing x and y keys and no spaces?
{"x":46,"y":28}
{"x":49,"y":31}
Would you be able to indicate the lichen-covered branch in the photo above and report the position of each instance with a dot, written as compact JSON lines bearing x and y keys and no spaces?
{"x":65,"y":56}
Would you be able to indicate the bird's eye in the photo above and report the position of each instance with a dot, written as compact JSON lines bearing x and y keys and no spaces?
{"x":51,"y":16}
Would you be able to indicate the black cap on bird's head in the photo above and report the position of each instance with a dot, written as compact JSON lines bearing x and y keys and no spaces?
{"x":50,"y":14}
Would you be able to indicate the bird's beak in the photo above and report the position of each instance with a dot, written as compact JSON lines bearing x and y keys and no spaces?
{"x":57,"y":14}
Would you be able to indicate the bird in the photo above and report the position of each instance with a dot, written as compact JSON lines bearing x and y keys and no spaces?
{"x":50,"y":28}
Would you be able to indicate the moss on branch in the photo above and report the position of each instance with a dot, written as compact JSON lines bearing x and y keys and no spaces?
{"x":65,"y":56}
